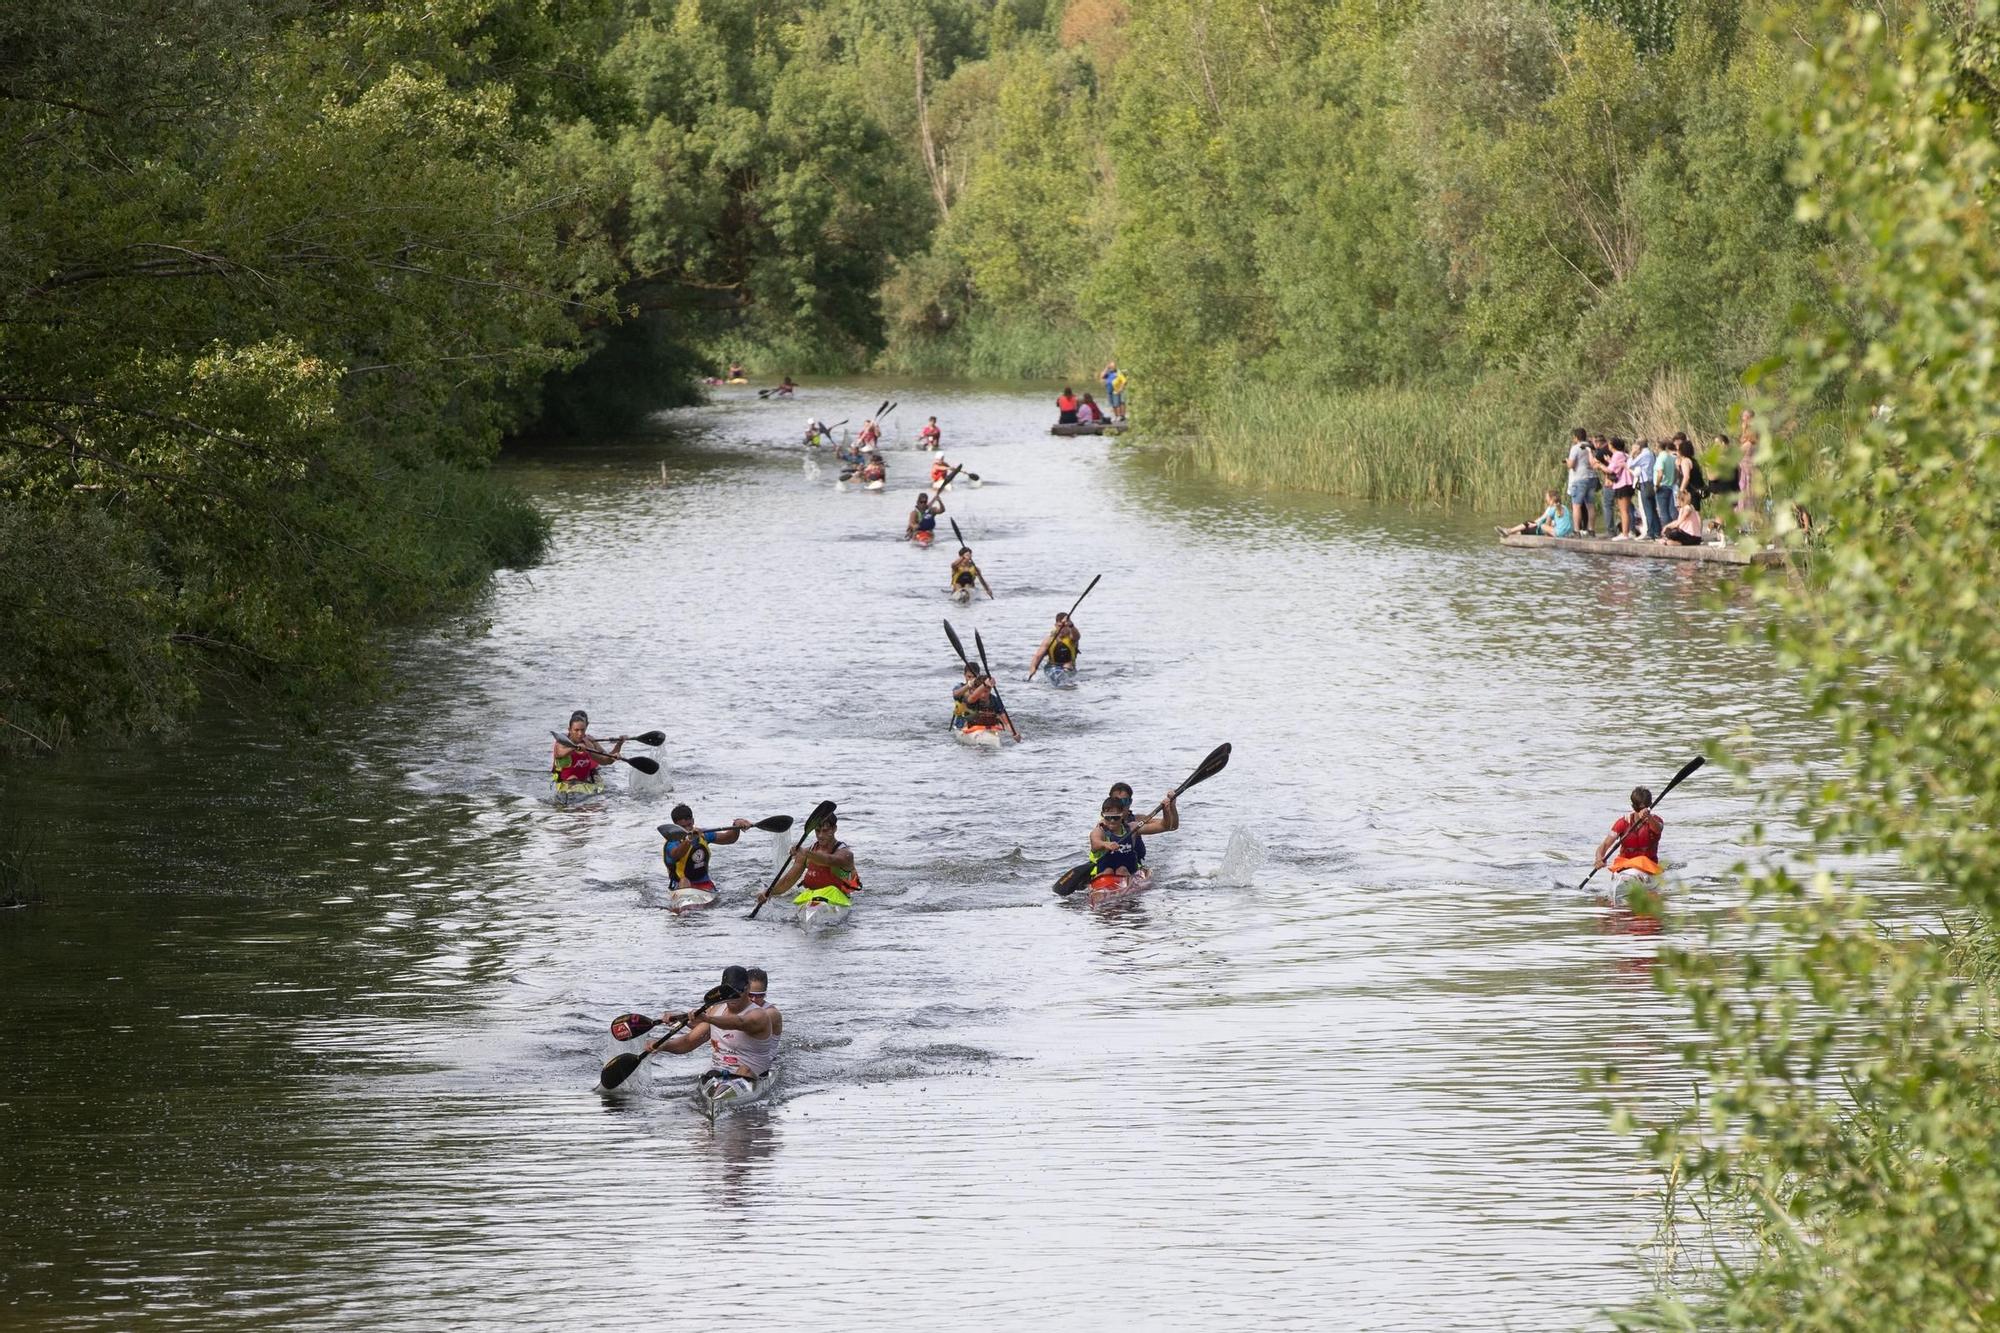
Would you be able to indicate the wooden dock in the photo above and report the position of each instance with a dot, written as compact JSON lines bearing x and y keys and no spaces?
{"x":1646,"y":550}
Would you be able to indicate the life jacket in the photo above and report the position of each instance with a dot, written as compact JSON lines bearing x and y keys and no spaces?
{"x":830,"y":877}
{"x":1127,"y":856}
{"x":962,"y":576}
{"x":1639,"y":838}
{"x":691,"y":866}
{"x":577,"y":767}
{"x":927,"y":520}
{"x":1063,"y":651}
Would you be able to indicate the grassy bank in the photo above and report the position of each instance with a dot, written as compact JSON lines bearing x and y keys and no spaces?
{"x":988,"y":346}
{"x":1416,"y":446}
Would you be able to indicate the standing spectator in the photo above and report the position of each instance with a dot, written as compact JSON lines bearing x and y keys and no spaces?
{"x":1581,"y":479}
{"x":1118,"y":395}
{"x":1642,"y":477}
{"x":1746,"y":470}
{"x":1601,"y":451}
{"x":1666,"y":477}
{"x":1694,"y":485}
{"x":1110,"y":377}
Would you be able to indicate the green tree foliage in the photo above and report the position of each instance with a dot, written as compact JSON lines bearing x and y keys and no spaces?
{"x":1849,"y":1071}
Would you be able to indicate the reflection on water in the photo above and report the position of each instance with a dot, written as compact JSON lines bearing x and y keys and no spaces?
{"x":308,"y":1038}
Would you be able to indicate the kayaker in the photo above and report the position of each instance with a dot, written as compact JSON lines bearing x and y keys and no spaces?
{"x":972,"y":701}
{"x":964,"y":573}
{"x":736,"y":371}
{"x":923,"y":519}
{"x":1121,"y":792}
{"x":576,"y":758}
{"x":785,"y":387}
{"x":940,"y":470}
{"x":930,"y":437}
{"x":1636,"y":837}
{"x":1061,"y":648}
{"x":685,"y":854}
{"x":1066,"y":407}
{"x":826,"y":869}
{"x":816,"y":433}
{"x":741,"y":1032}
{"x":871,"y":434}
{"x":1117,"y":846}
{"x":872,"y":470}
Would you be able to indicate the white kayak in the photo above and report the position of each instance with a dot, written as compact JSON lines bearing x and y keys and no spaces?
{"x":876,"y":485}
{"x":963,"y":596}
{"x":1063,"y":678}
{"x":688,"y":898}
{"x":821,"y":915}
{"x":716,"y":1092}
{"x":985,"y":737}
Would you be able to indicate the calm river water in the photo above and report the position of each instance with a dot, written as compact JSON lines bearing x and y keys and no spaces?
{"x":307,"y":1035}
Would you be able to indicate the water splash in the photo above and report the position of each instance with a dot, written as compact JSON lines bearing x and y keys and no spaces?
{"x":1241,"y":860}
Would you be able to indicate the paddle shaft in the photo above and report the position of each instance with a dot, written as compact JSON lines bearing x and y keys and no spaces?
{"x":1085,"y":593}
{"x":1687,"y":771}
{"x":980,"y":643}
{"x":640,"y":762}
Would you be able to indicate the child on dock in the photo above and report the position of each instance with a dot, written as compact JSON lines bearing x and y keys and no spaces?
{"x":1554,"y":521}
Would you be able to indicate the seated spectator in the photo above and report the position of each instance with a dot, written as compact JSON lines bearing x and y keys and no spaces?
{"x":1554,"y":521}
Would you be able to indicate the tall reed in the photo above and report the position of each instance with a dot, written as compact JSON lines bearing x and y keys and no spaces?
{"x":1436,"y":446}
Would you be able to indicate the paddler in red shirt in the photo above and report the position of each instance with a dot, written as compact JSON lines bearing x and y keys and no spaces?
{"x":575,"y":759}
{"x":1636,"y":837}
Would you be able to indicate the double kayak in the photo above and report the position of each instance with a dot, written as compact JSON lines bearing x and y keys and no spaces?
{"x":573,"y":793}
{"x":1117,"y":885}
{"x":986,"y":735}
{"x":716,"y":1091}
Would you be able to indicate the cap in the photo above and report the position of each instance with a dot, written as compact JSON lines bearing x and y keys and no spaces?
{"x":735,"y":980}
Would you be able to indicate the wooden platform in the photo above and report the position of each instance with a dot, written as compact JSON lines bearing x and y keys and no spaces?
{"x":1094,"y":428}
{"x":1646,"y":550}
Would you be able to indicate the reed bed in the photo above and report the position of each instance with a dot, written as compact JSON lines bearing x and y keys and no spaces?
{"x":999,"y":348}
{"x":1461,"y":447}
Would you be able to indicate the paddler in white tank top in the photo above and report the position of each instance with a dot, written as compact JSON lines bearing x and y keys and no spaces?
{"x":740,"y":1030}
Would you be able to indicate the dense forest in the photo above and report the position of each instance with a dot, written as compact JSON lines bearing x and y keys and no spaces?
{"x":278,"y":278}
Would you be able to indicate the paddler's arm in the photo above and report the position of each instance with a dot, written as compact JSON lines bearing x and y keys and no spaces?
{"x":1100,"y":843}
{"x":725,"y":836}
{"x":681,"y":1042}
{"x":1040,"y":653}
{"x":840,"y":860}
{"x":1604,"y":848}
{"x":756,"y":1022}
{"x":1166,"y":821}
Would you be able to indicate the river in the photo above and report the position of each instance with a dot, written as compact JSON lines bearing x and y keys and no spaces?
{"x":307,"y":1032}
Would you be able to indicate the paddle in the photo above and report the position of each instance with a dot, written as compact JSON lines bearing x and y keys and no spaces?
{"x":625,"y":1064}
{"x":1218,"y":759}
{"x":775,"y":824}
{"x":640,"y":762}
{"x":1687,"y":771}
{"x":959,"y":648}
{"x":1085,"y":593}
{"x":980,"y":644}
{"x":813,"y":821}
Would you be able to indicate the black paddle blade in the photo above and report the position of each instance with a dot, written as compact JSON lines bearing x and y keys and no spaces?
{"x":644,"y":765}
{"x":627,"y":1026}
{"x":980,"y":644}
{"x":775,"y":824}
{"x":651,"y":738}
{"x":956,"y":646}
{"x":617,"y":1069}
{"x":817,"y":817}
{"x":1218,"y":759}
{"x":955,"y":532}
{"x":1073,"y":879}
{"x":1687,"y":771}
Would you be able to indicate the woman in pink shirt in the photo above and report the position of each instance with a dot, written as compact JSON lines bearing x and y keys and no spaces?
{"x":1617,"y":470}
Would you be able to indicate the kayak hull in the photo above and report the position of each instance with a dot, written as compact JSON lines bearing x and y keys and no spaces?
{"x":717,"y":1095}
{"x":924,"y":539}
{"x":1062,"y":678}
{"x":981,"y":737}
{"x":687,"y":898}
{"x":1116,"y":887}
{"x":962,"y":596}
{"x":574,"y":793}
{"x":875,"y":485}
{"x":814,"y":917}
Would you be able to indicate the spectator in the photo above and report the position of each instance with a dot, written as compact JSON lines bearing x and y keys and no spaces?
{"x":1581,"y":479}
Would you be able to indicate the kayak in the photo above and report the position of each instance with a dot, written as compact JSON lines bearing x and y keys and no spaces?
{"x":985,"y":735}
{"x":821,"y":915}
{"x":573,"y":793}
{"x":962,"y":596}
{"x":1109,"y":888}
{"x":1063,"y":678}
{"x":924,"y":538}
{"x":688,"y":898}
{"x":738,"y":380}
{"x":876,"y":485}
{"x":715,"y":1093}
{"x":1628,"y":882}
